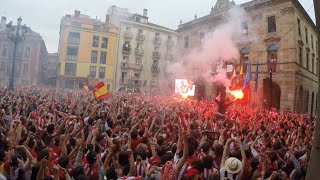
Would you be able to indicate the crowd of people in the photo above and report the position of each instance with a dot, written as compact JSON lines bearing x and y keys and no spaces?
{"x":63,"y":134}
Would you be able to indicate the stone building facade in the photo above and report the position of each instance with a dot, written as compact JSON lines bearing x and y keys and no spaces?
{"x":143,"y":53}
{"x":285,"y":43}
{"x":31,"y":51}
{"x":49,"y":70}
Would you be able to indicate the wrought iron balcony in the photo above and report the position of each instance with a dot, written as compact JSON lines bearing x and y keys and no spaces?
{"x":130,"y":82}
{"x":157,"y":40}
{"x":131,"y":66}
{"x":140,"y":37}
{"x":156,"y":55}
{"x":128,"y":35}
{"x":126,"y":49}
{"x":139,"y":52}
{"x":155,"y":68}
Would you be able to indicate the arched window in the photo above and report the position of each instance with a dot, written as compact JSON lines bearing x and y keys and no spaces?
{"x":272,"y":57}
{"x":244,"y":59}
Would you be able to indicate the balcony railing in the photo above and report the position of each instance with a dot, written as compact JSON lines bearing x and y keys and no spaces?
{"x":126,"y":50}
{"x":128,"y":35}
{"x":131,"y":66}
{"x":156,"y":54}
{"x":154,"y":83}
{"x":130,"y":82}
{"x":157,"y":40}
{"x":139,"y":52}
{"x":140,"y":37}
{"x":155,"y":68}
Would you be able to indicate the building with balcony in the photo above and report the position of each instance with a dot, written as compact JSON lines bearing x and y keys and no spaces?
{"x":285,"y":44}
{"x":143,"y":44}
{"x":87,"y":50}
{"x":30,"y":54}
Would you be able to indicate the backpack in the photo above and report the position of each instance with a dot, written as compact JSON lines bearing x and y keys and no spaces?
{"x":167,"y":172}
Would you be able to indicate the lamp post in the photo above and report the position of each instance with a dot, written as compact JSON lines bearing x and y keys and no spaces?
{"x":16,"y":35}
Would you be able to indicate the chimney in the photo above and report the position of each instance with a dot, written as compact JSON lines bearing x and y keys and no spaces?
{"x":76,"y":13}
{"x":3,"y":20}
{"x":145,"y":12}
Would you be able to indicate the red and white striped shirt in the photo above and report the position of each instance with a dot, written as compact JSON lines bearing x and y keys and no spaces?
{"x":140,"y":169}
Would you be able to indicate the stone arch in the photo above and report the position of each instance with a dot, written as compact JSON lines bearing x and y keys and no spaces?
{"x":272,"y":57}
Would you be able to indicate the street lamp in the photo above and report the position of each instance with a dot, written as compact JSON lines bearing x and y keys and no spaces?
{"x":16,"y":35}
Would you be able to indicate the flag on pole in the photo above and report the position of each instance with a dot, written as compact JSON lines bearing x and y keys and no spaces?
{"x":100,"y":91}
{"x":248,"y":78}
{"x":256,"y":79}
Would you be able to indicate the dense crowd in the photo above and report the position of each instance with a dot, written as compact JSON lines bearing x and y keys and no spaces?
{"x":61,"y":134}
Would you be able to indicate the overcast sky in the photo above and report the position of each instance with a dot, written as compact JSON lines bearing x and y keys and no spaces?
{"x":44,"y":16}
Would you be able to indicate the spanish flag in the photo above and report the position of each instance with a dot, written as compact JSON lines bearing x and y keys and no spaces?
{"x":100,"y":91}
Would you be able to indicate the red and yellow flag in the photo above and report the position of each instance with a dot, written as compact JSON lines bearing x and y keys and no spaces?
{"x":100,"y":91}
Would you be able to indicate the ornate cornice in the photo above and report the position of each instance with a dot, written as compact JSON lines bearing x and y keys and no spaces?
{"x":287,"y":10}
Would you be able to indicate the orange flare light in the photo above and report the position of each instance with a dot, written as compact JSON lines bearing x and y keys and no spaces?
{"x":184,"y":95}
{"x":237,"y":94}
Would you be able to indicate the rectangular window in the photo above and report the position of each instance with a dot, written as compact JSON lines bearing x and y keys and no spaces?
{"x":94,"y":56}
{"x":299,"y":27}
{"x":123,"y":75}
{"x":137,"y":75}
{"x":104,"y":43}
{"x":186,"y":42}
{"x":27,"y":53}
{"x":307,"y":63}
{"x":102,"y":72}
{"x":103,"y":57}
{"x":70,"y":69}
{"x":307,"y":39}
{"x":108,"y":87}
{"x":72,"y":53}
{"x":313,"y":69}
{"x":272,"y":25}
{"x":95,"y":41}
{"x":74,"y":38}
{"x":300,"y":56}
{"x":3,"y":66}
{"x":93,"y":71}
{"x":244,"y":28}
{"x":25,"y":69}
{"x":4,"y":51}
{"x":311,"y":41}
